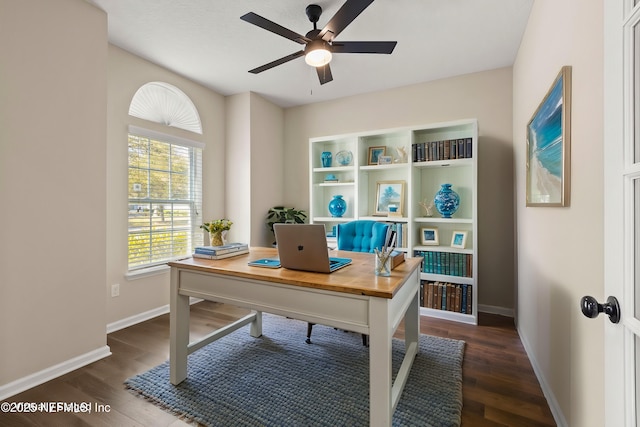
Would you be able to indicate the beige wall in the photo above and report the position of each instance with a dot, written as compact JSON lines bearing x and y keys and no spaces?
{"x":560,"y":250}
{"x":126,"y":73}
{"x":485,"y":96}
{"x":254,"y":165}
{"x":53,"y":97}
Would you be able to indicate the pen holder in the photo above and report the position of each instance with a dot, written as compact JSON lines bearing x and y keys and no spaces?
{"x":382,"y":263}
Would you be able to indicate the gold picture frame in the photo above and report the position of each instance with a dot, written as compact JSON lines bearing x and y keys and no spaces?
{"x":549,"y":146}
{"x":389,"y":193}
{"x":375,"y":153}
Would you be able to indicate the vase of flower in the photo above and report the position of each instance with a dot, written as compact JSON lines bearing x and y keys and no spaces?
{"x":337,"y":206}
{"x":447,"y":201}
{"x":215,"y":238}
{"x":217,"y":230}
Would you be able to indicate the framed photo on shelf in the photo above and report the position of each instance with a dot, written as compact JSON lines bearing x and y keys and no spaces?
{"x":375,"y":153}
{"x":389,"y":193}
{"x":459,"y":239}
{"x":548,"y":146}
{"x":429,"y":236}
{"x":385,"y":160}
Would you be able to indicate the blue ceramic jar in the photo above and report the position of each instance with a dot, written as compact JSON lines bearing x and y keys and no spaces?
{"x":337,"y":206}
{"x":326,"y":159}
{"x":447,"y":201}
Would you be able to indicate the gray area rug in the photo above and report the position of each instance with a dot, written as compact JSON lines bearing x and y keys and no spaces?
{"x":279,"y":380}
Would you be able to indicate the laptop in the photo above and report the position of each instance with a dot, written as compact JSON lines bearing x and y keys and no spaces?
{"x":304,"y":247}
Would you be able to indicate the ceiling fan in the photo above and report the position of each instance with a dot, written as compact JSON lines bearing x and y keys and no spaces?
{"x":320,"y":44}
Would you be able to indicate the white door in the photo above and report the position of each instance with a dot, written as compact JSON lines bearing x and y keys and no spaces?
{"x":622,"y":209}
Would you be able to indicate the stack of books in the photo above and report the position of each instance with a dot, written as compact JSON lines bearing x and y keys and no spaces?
{"x":220,"y":252}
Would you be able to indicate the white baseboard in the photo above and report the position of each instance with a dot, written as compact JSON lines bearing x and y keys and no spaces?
{"x":143,"y":317}
{"x":41,"y":377}
{"x":554,"y":406}
{"x":502,"y":311}
{"x":138,"y":318}
{"x":37,"y":378}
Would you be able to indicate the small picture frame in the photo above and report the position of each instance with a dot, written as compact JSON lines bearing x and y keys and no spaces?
{"x":459,"y":239}
{"x":385,"y":160}
{"x":429,"y":236}
{"x":375,"y":153}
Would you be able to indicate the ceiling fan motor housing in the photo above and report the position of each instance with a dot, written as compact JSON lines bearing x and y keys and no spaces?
{"x":313,"y":13}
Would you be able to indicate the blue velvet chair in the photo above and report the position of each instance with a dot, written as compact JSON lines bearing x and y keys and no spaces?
{"x":359,"y":236}
{"x":362,"y":236}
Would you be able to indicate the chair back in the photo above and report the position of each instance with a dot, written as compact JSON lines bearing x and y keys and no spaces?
{"x":362,"y":235}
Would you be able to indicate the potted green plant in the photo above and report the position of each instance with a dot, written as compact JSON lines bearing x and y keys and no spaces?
{"x":283,"y":215}
{"x":215,"y":229}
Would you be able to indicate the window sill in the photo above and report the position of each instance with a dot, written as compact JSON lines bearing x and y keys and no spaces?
{"x":156,"y":270}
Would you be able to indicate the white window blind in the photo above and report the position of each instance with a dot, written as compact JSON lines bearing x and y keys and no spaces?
{"x":165,"y":198}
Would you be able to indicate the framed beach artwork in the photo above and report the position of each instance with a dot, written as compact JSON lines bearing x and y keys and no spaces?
{"x":389,"y":193}
{"x":549,"y":146}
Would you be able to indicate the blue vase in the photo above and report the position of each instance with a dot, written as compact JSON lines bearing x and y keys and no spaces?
{"x":326,"y":159}
{"x":337,"y":206}
{"x":446,"y":201}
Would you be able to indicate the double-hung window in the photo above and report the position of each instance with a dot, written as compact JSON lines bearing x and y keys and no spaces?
{"x":165,"y":197}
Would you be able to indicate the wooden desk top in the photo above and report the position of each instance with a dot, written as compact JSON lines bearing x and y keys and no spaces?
{"x":357,"y":278}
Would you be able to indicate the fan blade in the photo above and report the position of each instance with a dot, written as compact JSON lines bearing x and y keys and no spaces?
{"x":363,"y":47}
{"x":280,"y":61}
{"x":278,"y":29}
{"x":343,"y":17}
{"x":324,"y":74}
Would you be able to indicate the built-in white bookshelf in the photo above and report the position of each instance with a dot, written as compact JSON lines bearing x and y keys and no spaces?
{"x":421,"y":176}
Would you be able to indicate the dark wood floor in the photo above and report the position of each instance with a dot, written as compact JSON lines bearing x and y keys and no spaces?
{"x":500,"y":388}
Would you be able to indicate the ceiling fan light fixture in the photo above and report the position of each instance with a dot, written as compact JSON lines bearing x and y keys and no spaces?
{"x":317,"y":54}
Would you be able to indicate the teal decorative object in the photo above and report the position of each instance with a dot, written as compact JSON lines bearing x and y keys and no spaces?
{"x":337,"y":206}
{"x":326,"y":159}
{"x":447,"y":201}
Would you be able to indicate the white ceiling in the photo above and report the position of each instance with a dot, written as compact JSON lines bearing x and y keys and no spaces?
{"x":205,"y":41}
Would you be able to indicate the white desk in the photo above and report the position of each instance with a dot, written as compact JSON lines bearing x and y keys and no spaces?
{"x":352,"y":298}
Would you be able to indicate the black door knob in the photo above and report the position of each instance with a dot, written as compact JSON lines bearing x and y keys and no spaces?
{"x":592,"y":308}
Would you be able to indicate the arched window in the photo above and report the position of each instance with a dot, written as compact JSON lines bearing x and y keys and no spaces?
{"x":164,"y":179}
{"x":166,"y":104}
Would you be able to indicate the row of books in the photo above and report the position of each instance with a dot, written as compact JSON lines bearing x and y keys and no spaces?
{"x":447,"y":296}
{"x":442,"y":150}
{"x":221,"y":252}
{"x":401,"y":230}
{"x":448,"y":263}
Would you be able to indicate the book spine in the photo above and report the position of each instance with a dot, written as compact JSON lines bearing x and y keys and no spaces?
{"x":463,"y":299}
{"x":204,"y":251}
{"x":222,"y":256}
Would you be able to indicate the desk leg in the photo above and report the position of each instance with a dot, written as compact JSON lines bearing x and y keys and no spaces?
{"x":256,"y":326}
{"x":178,"y":331}
{"x":380,"y":334}
{"x":412,"y":322}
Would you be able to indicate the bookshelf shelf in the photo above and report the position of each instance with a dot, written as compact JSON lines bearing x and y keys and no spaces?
{"x":435,"y":154}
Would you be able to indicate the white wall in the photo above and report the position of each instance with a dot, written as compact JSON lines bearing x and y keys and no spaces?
{"x":485,"y":96}
{"x":126,"y":73}
{"x":560,"y":250}
{"x":53,"y":98}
